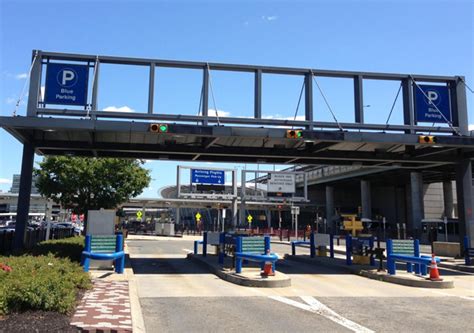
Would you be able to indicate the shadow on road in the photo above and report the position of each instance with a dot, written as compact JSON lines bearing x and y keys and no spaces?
{"x":165,"y":266}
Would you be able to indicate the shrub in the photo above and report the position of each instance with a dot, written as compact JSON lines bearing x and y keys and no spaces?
{"x":71,"y":248}
{"x":40,"y":283}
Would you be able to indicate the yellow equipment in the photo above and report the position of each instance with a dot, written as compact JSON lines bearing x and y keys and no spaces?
{"x":352,"y":224}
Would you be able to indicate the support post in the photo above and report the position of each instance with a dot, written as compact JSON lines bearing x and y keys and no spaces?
{"x":151,"y":89}
{"x":205,"y":95}
{"x":408,"y":108}
{"x":308,"y":99}
{"x":348,"y":249}
{"x":23,"y":206}
{"x":234,"y":200}
{"x":448,"y":199}
{"x":258,"y":94}
{"x":358,"y":99}
{"x":417,"y":206}
{"x":330,"y":208}
{"x":366,"y":199}
{"x":312,"y":245}
{"x":35,"y":84}
{"x":204,"y":244}
{"x":465,"y":198}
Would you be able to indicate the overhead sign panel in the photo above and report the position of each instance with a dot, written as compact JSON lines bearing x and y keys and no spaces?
{"x":201,"y":176}
{"x":432,"y":104}
{"x":66,"y":84}
{"x":281,"y":182}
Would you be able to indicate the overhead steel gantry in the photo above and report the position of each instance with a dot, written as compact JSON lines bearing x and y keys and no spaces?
{"x":92,"y":132}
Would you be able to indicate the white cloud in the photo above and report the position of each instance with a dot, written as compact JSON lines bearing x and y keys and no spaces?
{"x":280,"y":117}
{"x":10,"y":100}
{"x":5,"y":181}
{"x":119,"y":109}
{"x":212,"y":113}
{"x":471,"y":127}
{"x":21,"y":76}
{"x":270,"y":18}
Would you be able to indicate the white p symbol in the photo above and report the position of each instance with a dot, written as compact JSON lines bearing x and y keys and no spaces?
{"x":432,"y":96}
{"x":68,"y":75}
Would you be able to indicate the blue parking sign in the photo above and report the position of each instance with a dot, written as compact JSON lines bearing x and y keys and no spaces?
{"x":66,"y":84}
{"x":425,"y":104}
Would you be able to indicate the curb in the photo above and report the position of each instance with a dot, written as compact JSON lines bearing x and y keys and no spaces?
{"x":138,"y":324}
{"x":461,"y":268}
{"x":240,"y":280}
{"x":366,"y":272}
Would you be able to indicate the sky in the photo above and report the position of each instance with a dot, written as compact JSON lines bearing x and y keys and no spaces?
{"x":417,"y":37}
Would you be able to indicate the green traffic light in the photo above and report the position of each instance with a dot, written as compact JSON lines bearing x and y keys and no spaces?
{"x":299,"y":134}
{"x":163,"y":128}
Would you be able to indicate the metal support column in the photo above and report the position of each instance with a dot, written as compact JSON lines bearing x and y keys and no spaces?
{"x":258,"y":94}
{"x":205,"y":95}
{"x":151,"y":89}
{"x":330,"y":208}
{"x":358,"y":99}
{"x":308,"y":94}
{"x":35,"y":84}
{"x":459,"y":105}
{"x":23,"y":206}
{"x":366,"y":202}
{"x":268,"y":214}
{"x":408,"y":106}
{"x":178,"y":216}
{"x":417,"y":206}
{"x":234,"y":210}
{"x":448,"y":199}
{"x":465,"y":193}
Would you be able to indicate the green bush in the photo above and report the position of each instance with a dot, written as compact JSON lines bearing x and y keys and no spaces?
{"x":40,"y":283}
{"x":71,"y":248}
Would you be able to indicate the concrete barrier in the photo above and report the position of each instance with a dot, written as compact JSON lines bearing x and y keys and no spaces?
{"x":447,"y":249}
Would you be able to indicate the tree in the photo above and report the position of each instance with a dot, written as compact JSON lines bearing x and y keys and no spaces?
{"x":82,"y":184}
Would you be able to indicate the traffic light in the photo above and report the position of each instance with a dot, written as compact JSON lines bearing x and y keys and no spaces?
{"x":429,"y":139}
{"x":159,"y":128}
{"x":294,"y":134}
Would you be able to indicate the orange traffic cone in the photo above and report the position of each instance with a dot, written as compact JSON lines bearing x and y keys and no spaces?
{"x":267,"y":268}
{"x":434,"y":273}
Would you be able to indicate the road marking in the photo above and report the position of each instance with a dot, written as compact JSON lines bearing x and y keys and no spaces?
{"x":332,"y":315}
{"x":315,"y":306}
{"x":469,"y":298}
{"x":187,"y":250}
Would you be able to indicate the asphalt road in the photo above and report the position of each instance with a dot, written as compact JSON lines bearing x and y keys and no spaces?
{"x":177,"y":295}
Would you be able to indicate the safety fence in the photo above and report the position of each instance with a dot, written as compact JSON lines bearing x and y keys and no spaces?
{"x":32,"y":237}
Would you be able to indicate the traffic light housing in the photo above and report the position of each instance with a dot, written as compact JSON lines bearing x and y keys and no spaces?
{"x":427,"y":139}
{"x":294,"y":134}
{"x":159,"y":128}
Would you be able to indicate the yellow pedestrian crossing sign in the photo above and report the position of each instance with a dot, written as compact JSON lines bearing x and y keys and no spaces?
{"x":139,"y":215}
{"x":198,"y":216}
{"x":249,"y":218}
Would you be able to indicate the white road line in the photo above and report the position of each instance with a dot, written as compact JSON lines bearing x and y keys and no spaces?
{"x":332,"y":315}
{"x":315,"y":306}
{"x":187,"y":250}
{"x":469,"y":298}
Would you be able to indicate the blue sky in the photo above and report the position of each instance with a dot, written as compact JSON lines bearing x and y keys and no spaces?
{"x":425,"y":37}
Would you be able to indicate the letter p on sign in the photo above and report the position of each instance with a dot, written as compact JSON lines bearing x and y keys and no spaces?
{"x":432,"y":96}
{"x":68,"y":75}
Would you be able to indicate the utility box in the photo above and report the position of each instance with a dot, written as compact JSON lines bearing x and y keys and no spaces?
{"x":164,"y":229}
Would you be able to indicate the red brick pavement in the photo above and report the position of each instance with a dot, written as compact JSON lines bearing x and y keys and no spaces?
{"x":105,"y":308}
